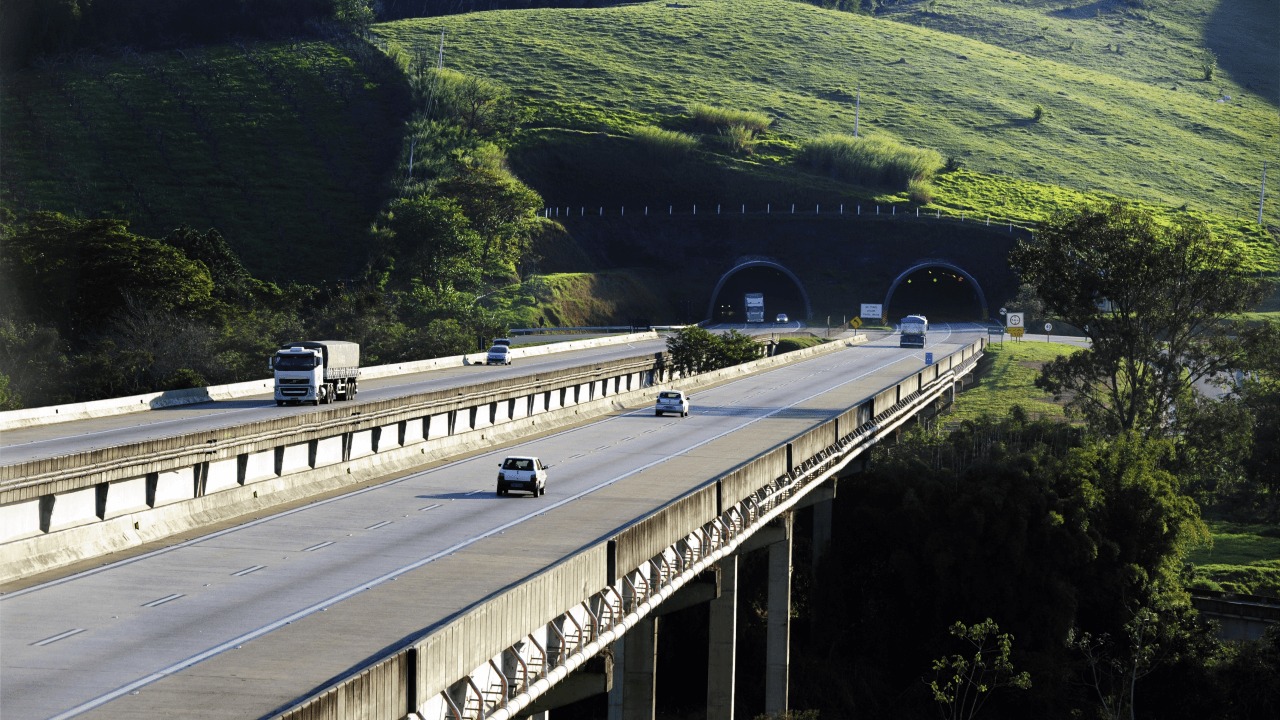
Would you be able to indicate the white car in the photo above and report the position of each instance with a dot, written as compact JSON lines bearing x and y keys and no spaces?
{"x":498,"y":355}
{"x":525,"y":473}
{"x":671,"y":401}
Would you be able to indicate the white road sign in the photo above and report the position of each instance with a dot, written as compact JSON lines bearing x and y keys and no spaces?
{"x":870,"y":310}
{"x":1013,"y":320}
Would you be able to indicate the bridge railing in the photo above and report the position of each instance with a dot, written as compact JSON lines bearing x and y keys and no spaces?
{"x":636,"y":570}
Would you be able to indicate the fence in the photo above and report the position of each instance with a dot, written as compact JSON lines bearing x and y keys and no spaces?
{"x":740,"y":210}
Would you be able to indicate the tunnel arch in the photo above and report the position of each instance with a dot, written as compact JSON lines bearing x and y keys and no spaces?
{"x":926,"y":264}
{"x":748,"y":263}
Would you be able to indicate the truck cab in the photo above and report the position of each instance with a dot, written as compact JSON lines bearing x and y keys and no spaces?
{"x":316,"y":371}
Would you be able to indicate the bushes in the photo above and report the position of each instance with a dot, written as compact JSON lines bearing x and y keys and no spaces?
{"x":667,"y":144}
{"x":873,"y":161}
{"x":715,"y":119}
{"x":739,"y":130}
{"x":695,"y":350}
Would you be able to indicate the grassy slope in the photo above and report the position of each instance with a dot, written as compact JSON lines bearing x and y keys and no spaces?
{"x":1007,"y":380}
{"x":1114,"y":121}
{"x":1242,"y":558}
{"x":285,"y":148}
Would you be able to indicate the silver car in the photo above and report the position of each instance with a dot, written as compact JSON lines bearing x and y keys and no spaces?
{"x":498,"y":355}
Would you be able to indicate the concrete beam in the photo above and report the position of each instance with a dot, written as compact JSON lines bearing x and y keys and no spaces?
{"x":702,"y":589}
{"x":593,"y":678}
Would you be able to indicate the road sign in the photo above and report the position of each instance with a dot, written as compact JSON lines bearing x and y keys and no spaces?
{"x":1013,"y":320}
{"x":1003,"y":311}
{"x":928,"y":358}
{"x":1048,"y":327}
{"x":1016,"y":331}
{"x":856,"y":323}
{"x":872,"y":310}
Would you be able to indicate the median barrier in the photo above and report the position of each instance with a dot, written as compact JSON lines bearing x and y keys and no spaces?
{"x":30,"y":417}
{"x":42,"y":543}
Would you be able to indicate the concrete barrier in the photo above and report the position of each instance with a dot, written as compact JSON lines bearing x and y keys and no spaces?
{"x":29,"y":417}
{"x":46,"y":526}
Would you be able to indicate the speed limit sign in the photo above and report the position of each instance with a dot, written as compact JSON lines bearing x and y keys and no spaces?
{"x":1013,"y":320}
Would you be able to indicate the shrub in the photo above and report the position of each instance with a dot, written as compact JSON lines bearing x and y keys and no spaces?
{"x":711,"y":118}
{"x":665,"y":143}
{"x":920,"y":191}
{"x":1037,"y":112}
{"x":739,"y":139}
{"x":872,"y":160}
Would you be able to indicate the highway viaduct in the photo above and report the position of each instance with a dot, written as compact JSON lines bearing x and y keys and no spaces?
{"x":667,"y":531}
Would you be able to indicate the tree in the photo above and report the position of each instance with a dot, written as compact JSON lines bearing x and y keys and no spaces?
{"x":499,"y":207}
{"x":962,"y":683}
{"x":693,"y":350}
{"x":433,"y":241}
{"x":1155,"y":299}
{"x":82,"y":271}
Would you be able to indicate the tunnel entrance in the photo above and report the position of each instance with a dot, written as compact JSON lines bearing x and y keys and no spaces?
{"x":782,"y":291}
{"x":939,"y":290}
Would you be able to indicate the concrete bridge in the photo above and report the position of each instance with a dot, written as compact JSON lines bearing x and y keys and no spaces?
{"x":505,"y":653}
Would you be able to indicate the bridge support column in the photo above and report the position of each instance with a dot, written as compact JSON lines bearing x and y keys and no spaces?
{"x":822,"y":510}
{"x":778,"y":634}
{"x":723,"y":643}
{"x":635,"y":667}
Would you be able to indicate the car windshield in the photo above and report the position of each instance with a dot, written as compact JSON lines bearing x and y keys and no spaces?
{"x":498,"y":349}
{"x":518,"y":464}
{"x":295,"y":362}
{"x":670,"y":396}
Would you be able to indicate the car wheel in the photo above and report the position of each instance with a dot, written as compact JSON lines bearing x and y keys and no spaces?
{"x":657,"y":413}
{"x":542,"y":490}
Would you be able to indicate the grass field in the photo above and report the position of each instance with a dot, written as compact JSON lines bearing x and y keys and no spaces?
{"x":1243,"y":558}
{"x":288,"y":148}
{"x":1126,"y":110}
{"x":1007,"y":378}
{"x":285,"y":148}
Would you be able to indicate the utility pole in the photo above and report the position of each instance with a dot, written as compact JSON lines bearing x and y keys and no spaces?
{"x":440,"y":62}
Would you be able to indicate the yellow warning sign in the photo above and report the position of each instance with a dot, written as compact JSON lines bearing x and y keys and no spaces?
{"x":1016,"y":331}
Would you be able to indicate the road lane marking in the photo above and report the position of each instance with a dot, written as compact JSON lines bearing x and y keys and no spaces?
{"x":56,"y":638}
{"x":369,"y":584}
{"x":160,"y":601}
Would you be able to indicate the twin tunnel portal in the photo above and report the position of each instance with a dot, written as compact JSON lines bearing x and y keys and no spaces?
{"x":939,"y":289}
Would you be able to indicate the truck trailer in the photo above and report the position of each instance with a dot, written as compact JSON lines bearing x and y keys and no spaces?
{"x":316,"y":371}
{"x":754,"y":303}
{"x":913,"y":329}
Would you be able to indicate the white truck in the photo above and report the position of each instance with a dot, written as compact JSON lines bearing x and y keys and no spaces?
{"x":316,"y":371}
{"x":913,"y":329}
{"x":754,"y":305}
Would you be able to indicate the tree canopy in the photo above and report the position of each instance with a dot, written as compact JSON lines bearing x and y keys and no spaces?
{"x":1156,"y":297}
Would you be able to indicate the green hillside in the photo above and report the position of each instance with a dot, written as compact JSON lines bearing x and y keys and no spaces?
{"x":286,"y":148}
{"x":1125,"y":106}
{"x":289,"y":148}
